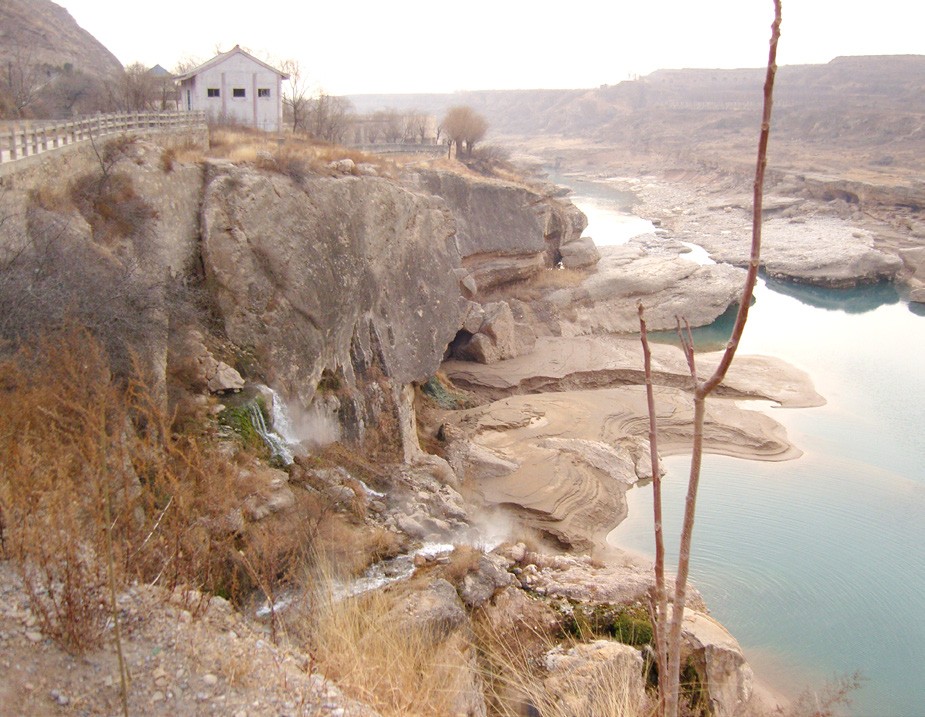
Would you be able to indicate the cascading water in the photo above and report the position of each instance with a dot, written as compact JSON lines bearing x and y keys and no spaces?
{"x":279,"y":415}
{"x":277,"y":444}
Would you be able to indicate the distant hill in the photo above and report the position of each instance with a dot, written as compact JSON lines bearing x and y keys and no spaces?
{"x":872,"y":107}
{"x":51,"y":66}
{"x":48,"y":34}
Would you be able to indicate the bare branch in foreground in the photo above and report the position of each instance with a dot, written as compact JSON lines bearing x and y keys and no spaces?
{"x":669,"y":674}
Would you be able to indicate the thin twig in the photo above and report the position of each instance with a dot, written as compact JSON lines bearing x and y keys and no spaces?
{"x":702,"y":390}
{"x":153,"y":530}
{"x":659,"y":607}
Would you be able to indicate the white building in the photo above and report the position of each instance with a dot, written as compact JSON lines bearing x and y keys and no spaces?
{"x":235,"y":87}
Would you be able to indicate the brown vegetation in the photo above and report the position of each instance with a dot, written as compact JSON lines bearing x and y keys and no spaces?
{"x":299,"y":156}
{"x":76,"y":442}
{"x":464,"y":127}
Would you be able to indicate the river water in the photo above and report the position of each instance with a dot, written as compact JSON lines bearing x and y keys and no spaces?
{"x":817,"y":565}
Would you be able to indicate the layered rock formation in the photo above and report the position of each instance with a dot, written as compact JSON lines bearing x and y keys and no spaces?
{"x":507,"y":232}
{"x":344,"y":291}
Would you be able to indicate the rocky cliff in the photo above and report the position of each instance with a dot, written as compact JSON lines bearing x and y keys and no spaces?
{"x":345,"y":291}
{"x":330,"y":274}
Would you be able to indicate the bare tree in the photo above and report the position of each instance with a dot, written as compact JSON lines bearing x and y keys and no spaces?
{"x":668,"y":629}
{"x":417,"y":126}
{"x":463,"y":127}
{"x":327,"y":117}
{"x":23,"y":80}
{"x":137,"y":89}
{"x":296,"y":99}
{"x":186,"y":64}
{"x":393,"y":125}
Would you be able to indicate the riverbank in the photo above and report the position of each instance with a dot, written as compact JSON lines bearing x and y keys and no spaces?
{"x":562,"y":364}
{"x":799,"y":558}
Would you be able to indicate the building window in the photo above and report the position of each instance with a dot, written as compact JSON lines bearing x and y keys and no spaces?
{"x":263,"y":92}
{"x":213,"y":92}
{"x":238,"y":92}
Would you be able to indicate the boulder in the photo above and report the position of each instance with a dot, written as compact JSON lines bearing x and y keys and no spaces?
{"x":596,"y":678}
{"x":499,"y":337}
{"x":190,"y":359}
{"x":223,"y":377}
{"x":272,"y":493}
{"x":437,"y":612}
{"x":437,"y":609}
{"x":344,"y":166}
{"x":491,"y":575}
{"x":715,"y":654}
{"x":466,"y":282}
{"x":579,"y":253}
{"x":472,"y":317}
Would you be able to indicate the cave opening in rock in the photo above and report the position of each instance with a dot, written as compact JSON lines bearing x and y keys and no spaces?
{"x":455,"y":349}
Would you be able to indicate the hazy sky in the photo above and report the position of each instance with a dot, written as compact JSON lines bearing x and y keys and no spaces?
{"x":349,"y":46}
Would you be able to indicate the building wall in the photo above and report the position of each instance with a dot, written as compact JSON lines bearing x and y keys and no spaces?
{"x":236,"y":75}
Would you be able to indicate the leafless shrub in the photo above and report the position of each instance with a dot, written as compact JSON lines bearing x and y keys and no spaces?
{"x":83,"y":458}
{"x":168,"y":157}
{"x":111,"y":206}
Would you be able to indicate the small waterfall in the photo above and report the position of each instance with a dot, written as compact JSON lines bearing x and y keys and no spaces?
{"x":279,"y":448}
{"x":279,"y":414}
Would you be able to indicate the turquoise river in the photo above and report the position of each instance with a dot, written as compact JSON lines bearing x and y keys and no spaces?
{"x":816,"y":565}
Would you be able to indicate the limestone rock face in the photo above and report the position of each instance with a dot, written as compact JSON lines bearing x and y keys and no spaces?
{"x":591,"y":678}
{"x":718,"y":659}
{"x":340,"y":273}
{"x":505,"y":232}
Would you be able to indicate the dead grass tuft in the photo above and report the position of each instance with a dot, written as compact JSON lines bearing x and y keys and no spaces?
{"x":167,"y":159}
{"x":517,"y":682}
{"x":376,"y":654}
{"x":463,"y":560}
{"x":296,"y":156}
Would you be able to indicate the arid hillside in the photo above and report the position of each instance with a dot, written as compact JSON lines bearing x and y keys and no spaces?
{"x":855,"y":116}
{"x":45,"y":33}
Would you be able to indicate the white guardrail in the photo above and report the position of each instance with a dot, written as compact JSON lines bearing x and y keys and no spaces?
{"x":25,"y":139}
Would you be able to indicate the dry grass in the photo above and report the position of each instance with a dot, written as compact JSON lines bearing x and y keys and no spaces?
{"x":377,"y":655}
{"x":75,"y":443}
{"x":463,"y":560}
{"x":517,"y":682}
{"x":293,"y":155}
